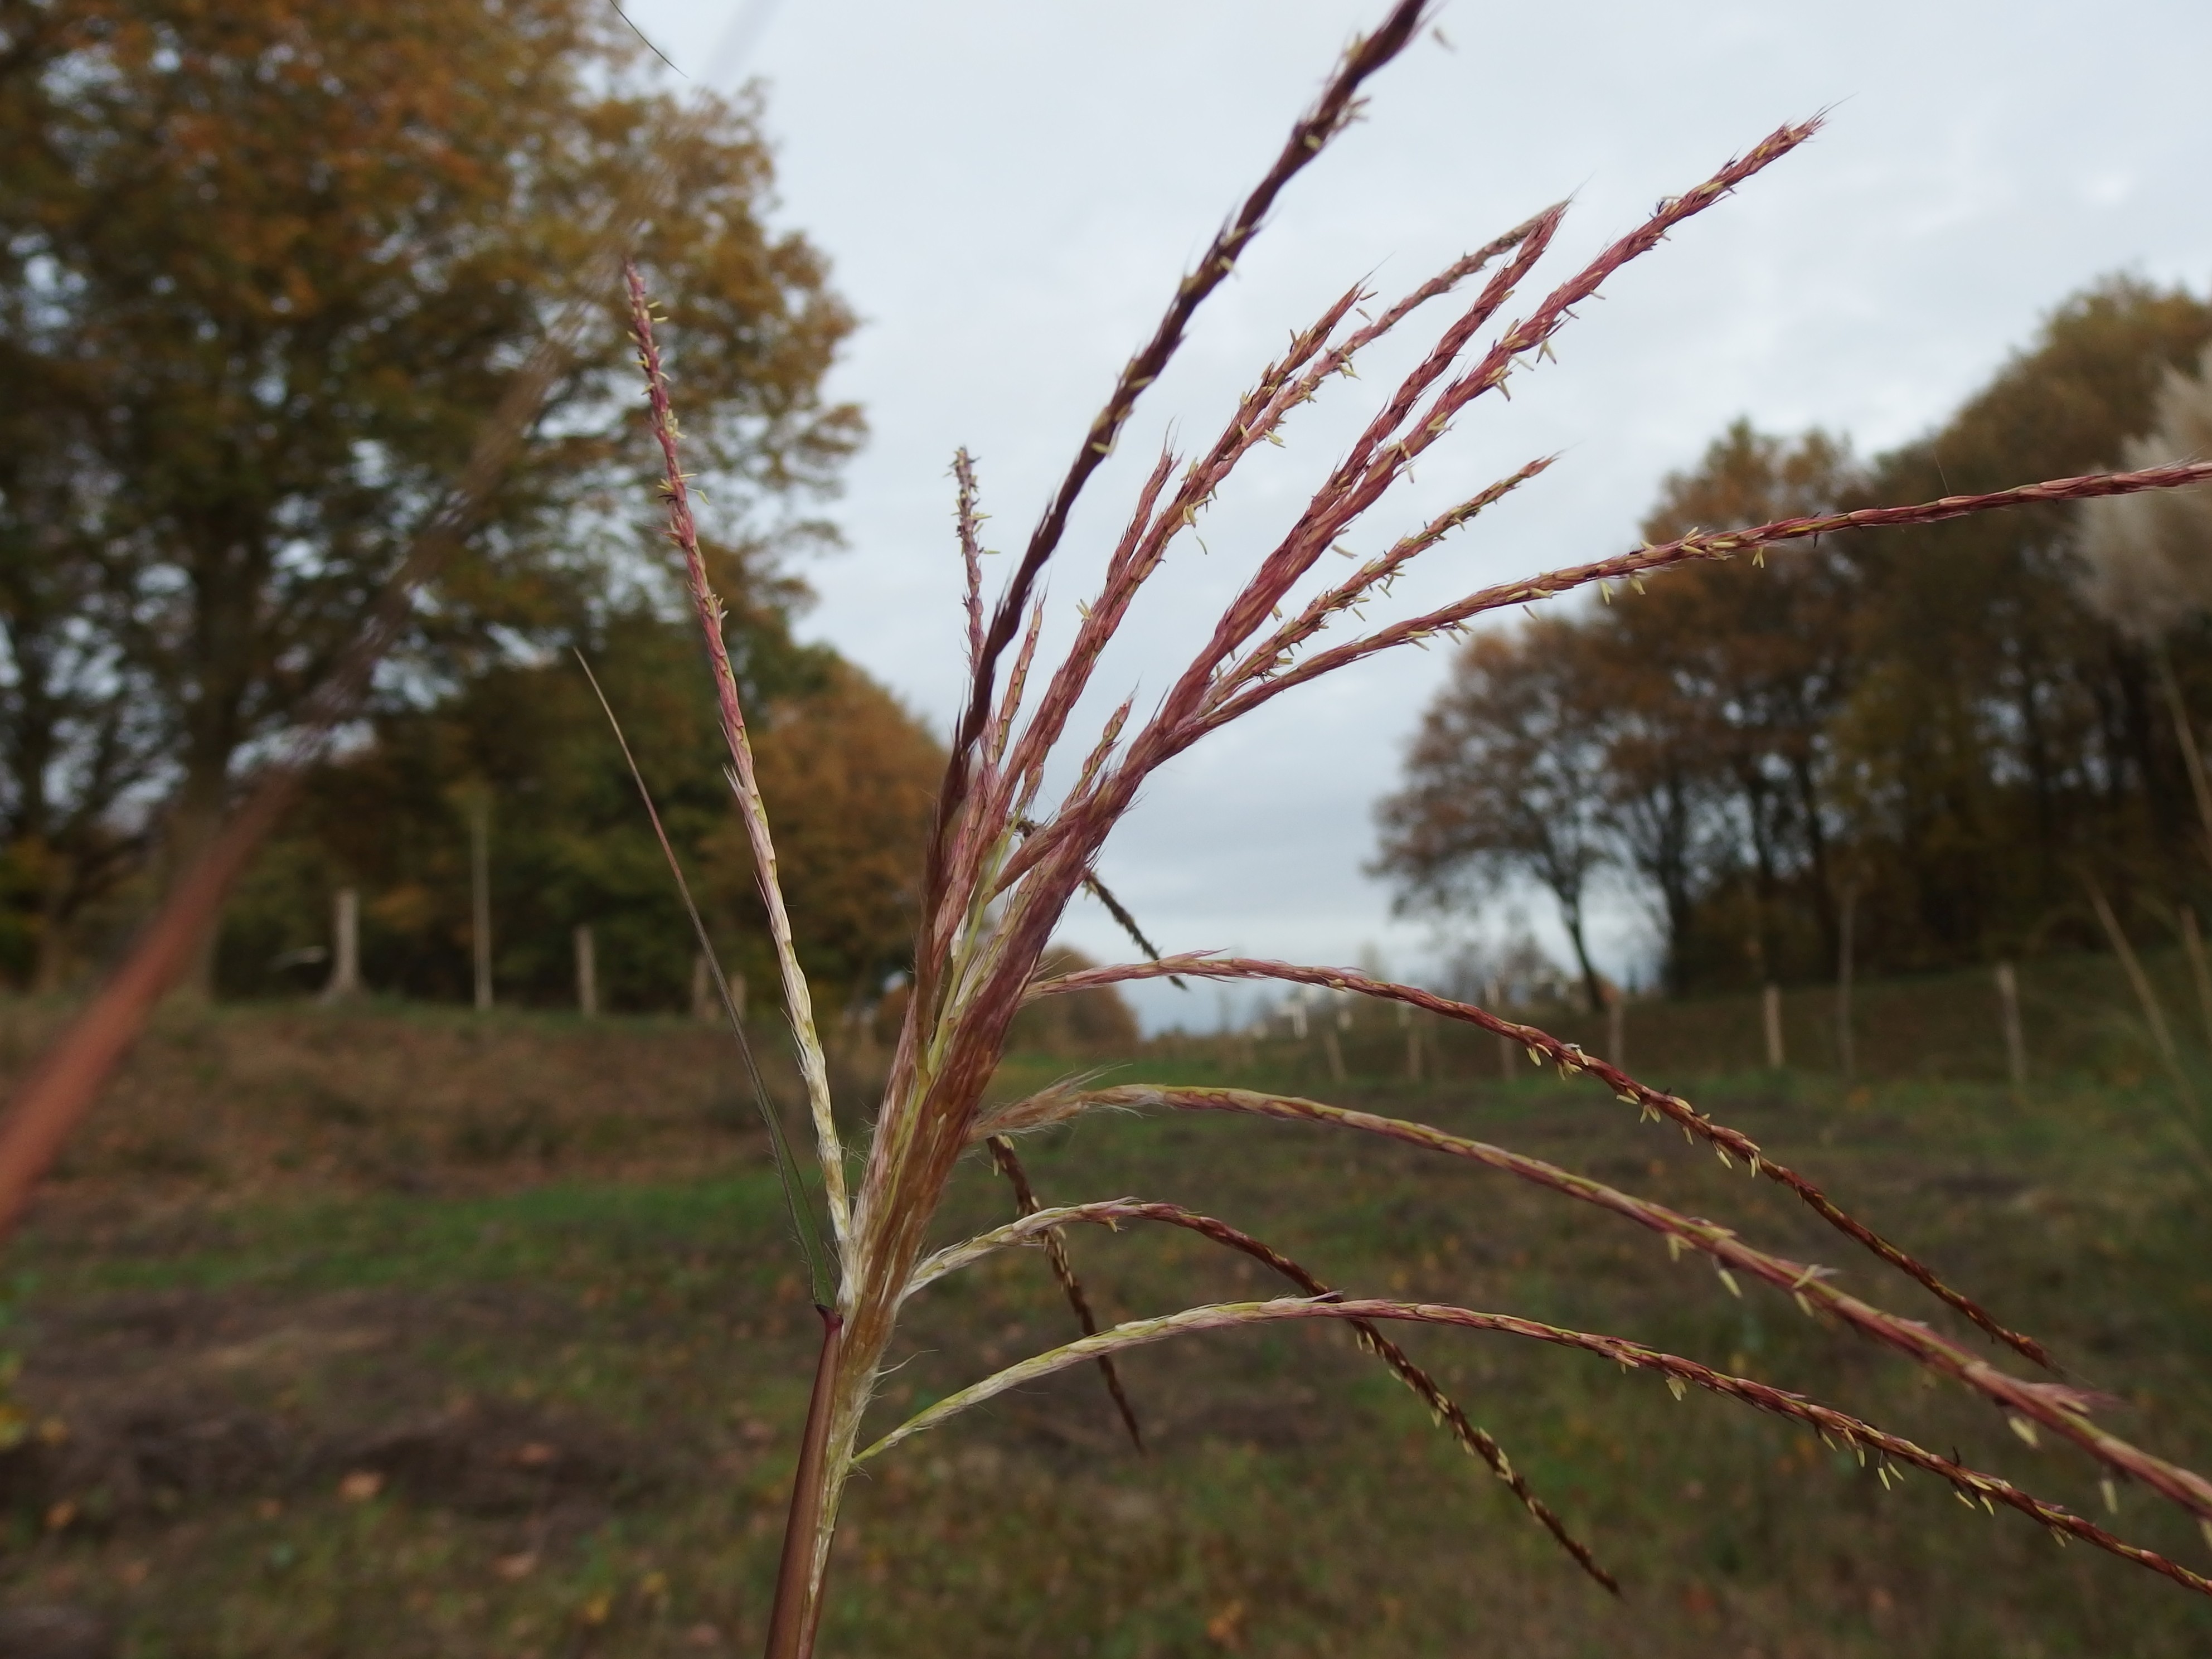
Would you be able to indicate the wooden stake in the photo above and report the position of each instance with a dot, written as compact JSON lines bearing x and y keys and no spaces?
{"x":1846,"y":1052}
{"x":587,"y":973}
{"x":2015,"y":1045}
{"x":480,"y":892}
{"x":2154,"y":1015}
{"x":345,"y":947}
{"x":1771,"y":1007}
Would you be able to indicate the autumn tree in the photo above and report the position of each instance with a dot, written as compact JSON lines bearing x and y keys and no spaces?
{"x":2001,"y":734}
{"x":80,"y":736}
{"x":1661,"y":790}
{"x":1725,"y":678}
{"x":1505,"y":779}
{"x":850,"y":776}
{"x":266,"y":265}
{"x":1951,"y":723}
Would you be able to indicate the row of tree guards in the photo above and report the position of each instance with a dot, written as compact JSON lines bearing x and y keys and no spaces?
{"x":1421,"y":1060}
{"x":1777,"y":1054}
{"x":345,"y":983}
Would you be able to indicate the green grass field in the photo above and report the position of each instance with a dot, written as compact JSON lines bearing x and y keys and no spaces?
{"x":387,"y":1334}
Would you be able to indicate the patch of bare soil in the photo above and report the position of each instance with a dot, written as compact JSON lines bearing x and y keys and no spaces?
{"x":148,"y":1402}
{"x":55,"y":1631}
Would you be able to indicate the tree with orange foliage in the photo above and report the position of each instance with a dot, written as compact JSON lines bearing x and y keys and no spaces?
{"x":851,"y":772}
{"x":267,"y":265}
{"x":852,"y":778}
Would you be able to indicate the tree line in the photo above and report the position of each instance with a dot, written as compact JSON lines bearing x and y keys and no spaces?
{"x":1920,"y":746}
{"x":267,"y":267}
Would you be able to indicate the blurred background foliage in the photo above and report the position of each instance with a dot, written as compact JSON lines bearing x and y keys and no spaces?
{"x":265,"y":269}
{"x":1933,"y":729}
{"x":850,"y":776}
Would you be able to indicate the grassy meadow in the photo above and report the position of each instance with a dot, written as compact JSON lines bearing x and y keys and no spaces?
{"x":404,"y":1331}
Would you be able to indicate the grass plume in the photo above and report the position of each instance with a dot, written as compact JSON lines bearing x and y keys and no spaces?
{"x":1005,"y":860}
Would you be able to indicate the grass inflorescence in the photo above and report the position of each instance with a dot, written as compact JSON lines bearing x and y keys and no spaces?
{"x":1005,"y":858}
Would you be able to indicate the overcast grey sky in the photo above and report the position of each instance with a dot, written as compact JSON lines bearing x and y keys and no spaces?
{"x":1010,"y":189}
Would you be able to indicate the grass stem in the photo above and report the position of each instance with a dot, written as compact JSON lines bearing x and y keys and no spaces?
{"x":794,"y":1616}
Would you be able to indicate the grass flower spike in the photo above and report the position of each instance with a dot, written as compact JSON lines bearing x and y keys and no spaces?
{"x":1005,"y":860}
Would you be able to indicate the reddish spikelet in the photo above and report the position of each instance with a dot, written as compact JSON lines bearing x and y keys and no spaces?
{"x":971,"y":552}
{"x":1017,"y":682}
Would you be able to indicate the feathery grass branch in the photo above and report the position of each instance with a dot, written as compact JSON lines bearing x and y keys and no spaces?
{"x":743,"y":784}
{"x":1653,"y":1104}
{"x":1632,"y":567}
{"x":2057,"y":1405}
{"x":1970,"y":1484}
{"x":1047,"y":1223}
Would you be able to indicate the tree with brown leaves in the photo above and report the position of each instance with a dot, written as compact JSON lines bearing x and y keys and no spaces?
{"x":267,"y":265}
